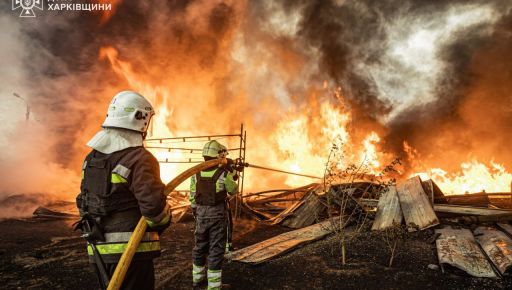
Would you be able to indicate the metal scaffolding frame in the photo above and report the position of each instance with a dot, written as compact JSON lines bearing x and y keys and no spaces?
{"x":165,"y":144}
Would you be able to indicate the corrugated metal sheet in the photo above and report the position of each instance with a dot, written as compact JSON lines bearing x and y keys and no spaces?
{"x":388,"y":210}
{"x":415,"y":204}
{"x":458,"y":248}
{"x":280,"y":244}
{"x":497,"y":245}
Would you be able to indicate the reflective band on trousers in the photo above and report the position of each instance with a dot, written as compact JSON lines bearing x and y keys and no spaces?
{"x":214,"y":279}
{"x":118,"y":248}
{"x":198,"y":273}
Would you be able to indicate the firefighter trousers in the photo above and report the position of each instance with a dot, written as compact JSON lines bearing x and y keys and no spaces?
{"x":210,"y":238}
{"x":140,"y":275}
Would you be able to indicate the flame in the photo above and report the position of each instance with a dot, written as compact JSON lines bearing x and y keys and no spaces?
{"x":159,"y":97}
{"x":301,"y":153}
{"x":474,"y":176}
{"x":302,"y":139}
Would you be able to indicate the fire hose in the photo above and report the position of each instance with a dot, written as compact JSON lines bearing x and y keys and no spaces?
{"x":138,"y":233}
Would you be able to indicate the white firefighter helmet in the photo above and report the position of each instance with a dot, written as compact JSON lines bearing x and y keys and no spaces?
{"x":129,"y":110}
{"x":214,"y":149}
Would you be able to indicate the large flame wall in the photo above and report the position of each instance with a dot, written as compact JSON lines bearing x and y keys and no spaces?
{"x":425,"y":81}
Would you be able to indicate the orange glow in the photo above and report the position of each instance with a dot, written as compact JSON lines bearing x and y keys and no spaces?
{"x":107,"y":14}
{"x":158,"y":128}
{"x":300,"y":141}
{"x":474,"y":176}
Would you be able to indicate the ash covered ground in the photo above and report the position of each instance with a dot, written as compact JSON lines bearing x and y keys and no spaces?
{"x":41,"y":253}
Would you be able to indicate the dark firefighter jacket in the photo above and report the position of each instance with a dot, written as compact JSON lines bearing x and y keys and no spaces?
{"x":223,"y":183}
{"x":117,"y":189}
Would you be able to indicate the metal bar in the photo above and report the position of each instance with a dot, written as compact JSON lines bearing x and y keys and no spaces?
{"x":244,"y":153}
{"x":243,"y":139}
{"x":477,"y":195}
{"x":190,"y":137}
{"x":184,"y":149}
{"x":190,"y":161}
{"x":276,"y":190}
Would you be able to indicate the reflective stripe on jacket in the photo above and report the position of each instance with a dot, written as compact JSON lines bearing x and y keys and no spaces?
{"x":133,"y":182}
{"x":118,"y":189}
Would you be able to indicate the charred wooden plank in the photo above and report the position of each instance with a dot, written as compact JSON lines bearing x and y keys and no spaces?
{"x":451,"y":208}
{"x":388,"y":210}
{"x":306,"y":214}
{"x":469,"y":199}
{"x":434,"y":192}
{"x":285,"y":213}
{"x":458,"y":248}
{"x":468,"y":210}
{"x":48,"y":213}
{"x":280,"y":244}
{"x":495,"y":218}
{"x":497,"y":246}
{"x":507,"y":228}
{"x":416,"y":207}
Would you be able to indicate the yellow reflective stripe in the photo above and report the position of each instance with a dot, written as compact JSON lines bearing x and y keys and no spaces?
{"x":153,"y":224}
{"x":230,"y":184}
{"x":116,"y":178}
{"x":118,"y":248}
{"x":83,"y":174}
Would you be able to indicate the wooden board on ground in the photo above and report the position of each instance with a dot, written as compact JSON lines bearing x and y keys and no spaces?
{"x":178,"y":214}
{"x":48,"y":213}
{"x":388,"y":210}
{"x":451,"y":209}
{"x":468,"y":210}
{"x":469,"y":199}
{"x":280,"y":244}
{"x":458,"y":248}
{"x":507,"y":228}
{"x":416,"y":207}
{"x":497,"y":246}
{"x":306,"y":214}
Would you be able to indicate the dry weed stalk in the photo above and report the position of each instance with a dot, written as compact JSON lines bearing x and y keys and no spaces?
{"x":343,"y":208}
{"x":393,"y":236}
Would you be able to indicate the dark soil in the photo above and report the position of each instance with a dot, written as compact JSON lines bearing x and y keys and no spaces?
{"x":47,"y":254}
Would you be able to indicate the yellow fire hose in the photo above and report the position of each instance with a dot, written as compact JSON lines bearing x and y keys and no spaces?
{"x":138,"y":233}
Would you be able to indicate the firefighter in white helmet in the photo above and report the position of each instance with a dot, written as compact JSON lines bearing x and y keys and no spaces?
{"x":208,"y":193}
{"x":120,"y":183}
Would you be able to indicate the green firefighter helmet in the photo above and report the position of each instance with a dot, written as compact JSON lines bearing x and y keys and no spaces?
{"x":214,"y":149}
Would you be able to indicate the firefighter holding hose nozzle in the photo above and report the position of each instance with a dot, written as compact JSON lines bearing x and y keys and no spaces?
{"x":209,"y":191}
{"x":120,"y":184}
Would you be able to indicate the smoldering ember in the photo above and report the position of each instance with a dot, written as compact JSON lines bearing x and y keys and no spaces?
{"x":244,"y":144}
